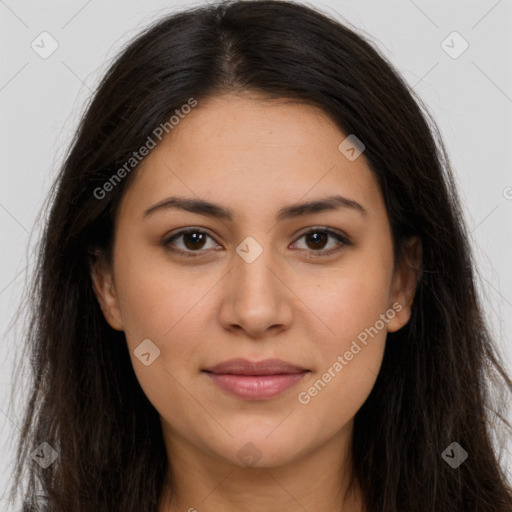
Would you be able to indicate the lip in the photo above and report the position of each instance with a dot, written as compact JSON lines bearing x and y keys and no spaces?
{"x":242,"y":366}
{"x":255,"y":380}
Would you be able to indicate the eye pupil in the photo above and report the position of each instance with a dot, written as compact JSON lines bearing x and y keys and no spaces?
{"x":318,"y":238}
{"x":196,"y":237}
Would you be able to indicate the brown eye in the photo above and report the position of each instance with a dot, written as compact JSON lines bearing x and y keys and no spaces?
{"x":317,"y":239}
{"x":193,"y":241}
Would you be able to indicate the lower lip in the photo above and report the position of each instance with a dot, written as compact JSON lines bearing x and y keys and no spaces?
{"x":256,"y":387}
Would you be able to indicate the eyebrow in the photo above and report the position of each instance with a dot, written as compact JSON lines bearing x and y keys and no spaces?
{"x":209,"y":209}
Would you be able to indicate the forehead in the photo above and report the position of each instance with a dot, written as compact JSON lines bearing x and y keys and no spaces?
{"x":246,"y":150}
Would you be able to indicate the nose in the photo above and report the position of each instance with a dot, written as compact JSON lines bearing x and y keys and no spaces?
{"x":257,"y":299}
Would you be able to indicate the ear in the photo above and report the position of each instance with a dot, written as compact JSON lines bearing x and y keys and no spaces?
{"x":405,"y":279}
{"x":104,"y":289}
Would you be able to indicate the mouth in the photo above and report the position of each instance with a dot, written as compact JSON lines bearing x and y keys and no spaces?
{"x":255,"y":380}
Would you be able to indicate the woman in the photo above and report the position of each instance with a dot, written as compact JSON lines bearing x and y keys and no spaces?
{"x":255,"y":290}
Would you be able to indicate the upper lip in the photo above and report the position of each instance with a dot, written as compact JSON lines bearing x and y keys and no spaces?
{"x":241,"y":366}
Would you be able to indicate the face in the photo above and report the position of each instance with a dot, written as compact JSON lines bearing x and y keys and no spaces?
{"x":312,"y":287}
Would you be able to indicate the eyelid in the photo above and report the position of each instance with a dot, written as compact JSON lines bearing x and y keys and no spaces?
{"x":342,"y":238}
{"x":166,"y":241}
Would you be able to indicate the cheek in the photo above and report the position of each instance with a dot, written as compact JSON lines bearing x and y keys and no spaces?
{"x":167,"y":311}
{"x":334,"y":395}
{"x":164,"y":304}
{"x":350,"y":352}
{"x":155,"y":295}
{"x":171,"y":316}
{"x":354,"y":304}
{"x":352,"y":298}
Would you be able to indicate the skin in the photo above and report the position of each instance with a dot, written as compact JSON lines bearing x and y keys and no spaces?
{"x":255,"y":156}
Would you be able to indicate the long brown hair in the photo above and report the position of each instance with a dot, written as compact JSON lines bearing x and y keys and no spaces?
{"x":440,"y":376}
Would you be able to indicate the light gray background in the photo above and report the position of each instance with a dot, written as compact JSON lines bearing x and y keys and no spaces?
{"x":41,"y":100}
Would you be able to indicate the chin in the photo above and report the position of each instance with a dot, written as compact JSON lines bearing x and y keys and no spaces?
{"x":260,"y":451}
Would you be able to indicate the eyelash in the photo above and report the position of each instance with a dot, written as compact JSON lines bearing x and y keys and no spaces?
{"x":166,"y":242}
